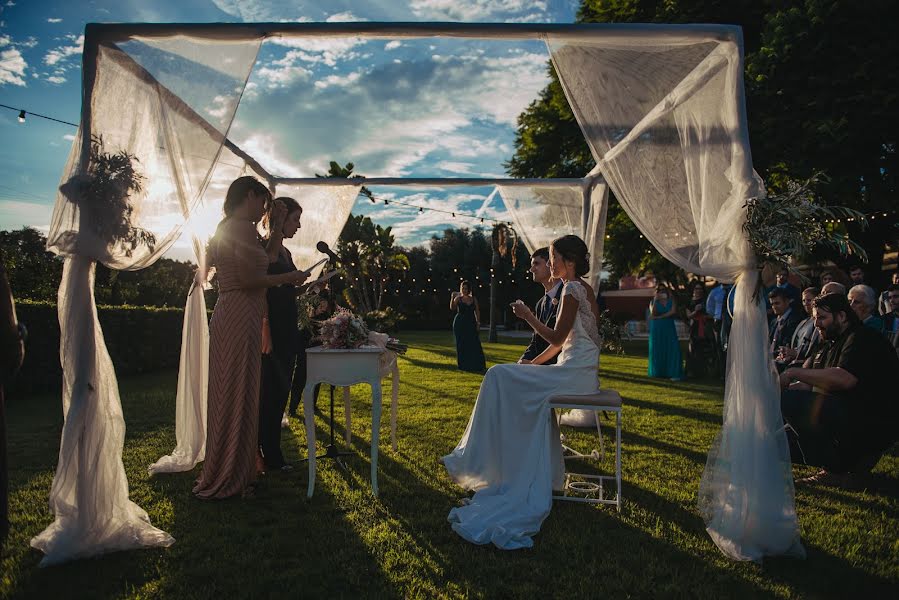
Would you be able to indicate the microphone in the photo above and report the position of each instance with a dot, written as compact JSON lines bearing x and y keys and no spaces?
{"x":324,"y":249}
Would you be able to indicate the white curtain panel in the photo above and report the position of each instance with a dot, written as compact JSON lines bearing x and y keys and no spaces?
{"x":666,"y":124}
{"x":540,"y":214}
{"x":129,"y":106}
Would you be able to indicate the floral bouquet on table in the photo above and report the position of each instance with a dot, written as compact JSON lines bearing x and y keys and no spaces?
{"x":343,"y":330}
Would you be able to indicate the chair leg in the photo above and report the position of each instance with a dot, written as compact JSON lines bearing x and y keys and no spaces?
{"x":602,"y":447}
{"x":618,"y":458}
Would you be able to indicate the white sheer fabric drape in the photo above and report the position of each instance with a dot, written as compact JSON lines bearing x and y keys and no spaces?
{"x":129,"y":108}
{"x":666,"y":123}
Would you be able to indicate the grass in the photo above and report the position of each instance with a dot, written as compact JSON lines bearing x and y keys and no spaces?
{"x":345,"y":543}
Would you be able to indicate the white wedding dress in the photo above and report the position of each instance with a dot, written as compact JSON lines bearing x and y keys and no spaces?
{"x":510,"y":453}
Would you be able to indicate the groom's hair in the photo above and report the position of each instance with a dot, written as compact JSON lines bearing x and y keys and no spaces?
{"x":541,"y":253}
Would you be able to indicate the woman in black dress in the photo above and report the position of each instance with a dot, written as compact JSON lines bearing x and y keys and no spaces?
{"x":469,"y":354}
{"x":277,"y":363}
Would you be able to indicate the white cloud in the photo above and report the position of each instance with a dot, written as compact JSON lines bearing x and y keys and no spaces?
{"x":56,"y":79}
{"x":393,"y":45}
{"x":63,"y":52}
{"x":12,"y":67}
{"x":284,"y":76}
{"x":338,"y":80}
{"x":15,"y":214}
{"x":31,"y":42}
{"x":52,"y":20}
{"x":4,"y":40}
{"x":478,"y":10}
{"x":69,"y":137}
{"x":344,"y":17}
{"x":463,"y":168}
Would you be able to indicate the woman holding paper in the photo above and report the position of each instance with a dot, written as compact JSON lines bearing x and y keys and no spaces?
{"x":235,"y":342}
{"x":279,"y":357}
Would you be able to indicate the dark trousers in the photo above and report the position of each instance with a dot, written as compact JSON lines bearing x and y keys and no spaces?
{"x":299,"y":383}
{"x":823,"y":431}
{"x":277,"y":370}
{"x":4,"y":475}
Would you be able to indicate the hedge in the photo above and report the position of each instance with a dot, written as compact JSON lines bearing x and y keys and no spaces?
{"x":140,"y":339}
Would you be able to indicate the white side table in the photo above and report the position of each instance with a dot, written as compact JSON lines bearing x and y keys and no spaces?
{"x":342,"y":368}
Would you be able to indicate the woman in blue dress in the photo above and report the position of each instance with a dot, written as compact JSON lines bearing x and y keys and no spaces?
{"x":664,"y":348}
{"x":469,"y":354}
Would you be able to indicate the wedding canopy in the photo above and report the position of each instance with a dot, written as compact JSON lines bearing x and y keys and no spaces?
{"x":660,"y":106}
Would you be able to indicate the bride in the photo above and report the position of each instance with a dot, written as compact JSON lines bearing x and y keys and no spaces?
{"x":510,"y":453}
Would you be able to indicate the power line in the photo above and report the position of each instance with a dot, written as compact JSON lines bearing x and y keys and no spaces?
{"x":22,"y":113}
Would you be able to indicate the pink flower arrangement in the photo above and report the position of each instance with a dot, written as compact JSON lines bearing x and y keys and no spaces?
{"x":343,"y":330}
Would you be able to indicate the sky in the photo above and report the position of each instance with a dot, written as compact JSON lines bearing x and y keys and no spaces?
{"x":413,"y":108}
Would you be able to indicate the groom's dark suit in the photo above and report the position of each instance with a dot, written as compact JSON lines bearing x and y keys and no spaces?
{"x":546,"y":312}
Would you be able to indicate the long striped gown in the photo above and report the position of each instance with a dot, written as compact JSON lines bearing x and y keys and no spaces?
{"x":235,"y":362}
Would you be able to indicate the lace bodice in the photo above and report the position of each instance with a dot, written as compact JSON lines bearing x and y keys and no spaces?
{"x":586,"y":320}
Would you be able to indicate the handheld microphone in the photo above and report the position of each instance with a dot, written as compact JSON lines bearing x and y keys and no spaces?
{"x":324,"y":249}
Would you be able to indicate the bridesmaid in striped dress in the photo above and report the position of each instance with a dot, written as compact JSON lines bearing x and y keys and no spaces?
{"x":235,"y":343}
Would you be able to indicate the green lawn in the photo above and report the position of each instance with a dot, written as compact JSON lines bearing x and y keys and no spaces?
{"x":345,"y":543}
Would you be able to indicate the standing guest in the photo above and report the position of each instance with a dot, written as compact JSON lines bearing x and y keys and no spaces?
{"x":863,"y":300}
{"x":841,"y":413}
{"x":467,"y":322}
{"x":856,"y":275}
{"x":891,"y":319}
{"x":664,"y":347}
{"x":805,"y":338}
{"x":784,"y":323}
{"x":12,"y":352}
{"x":278,"y":364}
{"x":547,"y":305}
{"x":884,"y":304}
{"x":235,"y":343}
{"x":702,"y":349}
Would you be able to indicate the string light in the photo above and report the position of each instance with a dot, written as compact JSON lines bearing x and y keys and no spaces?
{"x":21,"y":116}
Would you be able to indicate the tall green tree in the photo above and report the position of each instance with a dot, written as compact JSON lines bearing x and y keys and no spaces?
{"x":369,"y":262}
{"x":821,"y":96}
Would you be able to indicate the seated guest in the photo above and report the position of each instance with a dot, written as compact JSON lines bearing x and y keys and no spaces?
{"x":805,"y":338}
{"x":863,"y":301}
{"x":547,"y":305}
{"x":891,"y":319}
{"x":833,"y":287}
{"x":827,"y":277}
{"x":884,"y":304}
{"x":783,"y":282}
{"x":785,"y":321}
{"x":840,"y":413}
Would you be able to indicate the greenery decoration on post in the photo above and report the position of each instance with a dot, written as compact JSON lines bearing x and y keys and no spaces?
{"x":786,"y":226}
{"x":103,"y":195}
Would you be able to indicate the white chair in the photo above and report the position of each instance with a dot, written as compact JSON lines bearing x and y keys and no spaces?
{"x":592,"y":486}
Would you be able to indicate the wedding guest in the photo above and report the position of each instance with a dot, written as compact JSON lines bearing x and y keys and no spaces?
{"x":664,"y":347}
{"x":278,"y":363}
{"x":891,"y":319}
{"x":547,"y":305}
{"x":833,"y":287}
{"x":782,"y":281}
{"x":856,"y":275}
{"x":235,"y":343}
{"x":884,"y":304}
{"x":827,"y":277}
{"x":702,"y":348}
{"x":466,"y":323}
{"x":863,"y":300}
{"x":784,"y":323}
{"x":510,"y":453}
{"x":841,"y":414}
{"x":805,"y":338}
{"x":12,"y":352}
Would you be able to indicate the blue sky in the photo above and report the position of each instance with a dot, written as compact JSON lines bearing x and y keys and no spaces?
{"x":418,"y":108}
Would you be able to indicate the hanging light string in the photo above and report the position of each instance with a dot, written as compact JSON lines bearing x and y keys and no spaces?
{"x":23,"y":113}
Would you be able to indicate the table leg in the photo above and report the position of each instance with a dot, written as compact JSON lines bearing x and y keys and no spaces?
{"x":395,"y":394}
{"x":348,"y":435}
{"x":375,"y":431}
{"x":309,"y":415}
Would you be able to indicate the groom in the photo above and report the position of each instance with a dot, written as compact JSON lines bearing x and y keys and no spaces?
{"x":547,"y":306}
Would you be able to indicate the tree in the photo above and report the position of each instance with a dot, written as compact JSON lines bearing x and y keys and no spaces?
{"x":369,"y":262}
{"x":34,"y":273}
{"x":820,"y":84}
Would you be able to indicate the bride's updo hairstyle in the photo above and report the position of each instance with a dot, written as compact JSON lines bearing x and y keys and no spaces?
{"x":573,"y":248}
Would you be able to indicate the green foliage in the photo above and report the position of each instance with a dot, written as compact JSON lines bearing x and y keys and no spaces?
{"x":399,"y":545}
{"x":33,"y":272}
{"x":384,"y":320}
{"x":140,"y":339}
{"x":788,"y":226}
{"x":103,"y":195}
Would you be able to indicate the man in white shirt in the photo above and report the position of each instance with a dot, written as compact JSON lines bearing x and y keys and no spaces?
{"x":547,"y":306}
